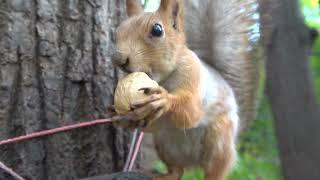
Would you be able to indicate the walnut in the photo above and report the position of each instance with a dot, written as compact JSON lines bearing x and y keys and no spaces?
{"x":127,"y":91}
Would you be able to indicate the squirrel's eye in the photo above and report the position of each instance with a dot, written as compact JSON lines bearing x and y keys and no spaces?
{"x":157,"y":30}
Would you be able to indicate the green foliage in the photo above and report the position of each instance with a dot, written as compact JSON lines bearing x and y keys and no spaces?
{"x":258,"y":152}
{"x":315,"y":66}
{"x":310,"y":10}
{"x":150,"y":6}
{"x":191,"y":174}
{"x":160,"y":167}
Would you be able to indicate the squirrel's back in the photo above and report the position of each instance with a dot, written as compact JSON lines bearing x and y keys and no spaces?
{"x":218,"y":32}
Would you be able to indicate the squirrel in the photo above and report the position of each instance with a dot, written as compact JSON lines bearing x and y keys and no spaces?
{"x":197,"y":111}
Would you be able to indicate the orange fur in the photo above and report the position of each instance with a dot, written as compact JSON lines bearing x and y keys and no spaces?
{"x":185,"y":110}
{"x":173,"y":9}
{"x":133,"y":7}
{"x":182,"y":104}
{"x":220,"y":158}
{"x":178,"y":108}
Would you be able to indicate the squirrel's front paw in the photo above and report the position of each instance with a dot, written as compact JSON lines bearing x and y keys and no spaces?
{"x":158,"y":99}
{"x":146,"y":111}
{"x":153,"y":107}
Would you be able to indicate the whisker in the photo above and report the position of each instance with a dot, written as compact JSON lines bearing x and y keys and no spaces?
{"x":152,"y":50}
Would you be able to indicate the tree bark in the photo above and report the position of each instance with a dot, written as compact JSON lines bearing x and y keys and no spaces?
{"x":290,"y":89}
{"x":55,"y":70}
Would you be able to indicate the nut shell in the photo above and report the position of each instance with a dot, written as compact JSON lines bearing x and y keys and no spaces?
{"x":127,"y":91}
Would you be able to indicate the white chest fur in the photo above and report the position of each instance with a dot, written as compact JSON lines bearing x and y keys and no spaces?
{"x":184,"y":146}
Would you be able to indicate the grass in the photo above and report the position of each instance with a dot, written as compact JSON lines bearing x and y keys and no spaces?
{"x":258,"y":152}
{"x":315,"y":67}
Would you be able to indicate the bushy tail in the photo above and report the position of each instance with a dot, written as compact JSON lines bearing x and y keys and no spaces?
{"x":219,"y":32}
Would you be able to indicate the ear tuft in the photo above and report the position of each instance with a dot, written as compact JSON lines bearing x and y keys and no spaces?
{"x":134,"y":7}
{"x":173,"y":12}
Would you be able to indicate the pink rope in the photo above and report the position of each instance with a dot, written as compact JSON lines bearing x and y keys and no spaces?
{"x":47,"y":133}
{"x":10,"y":171}
{"x":55,"y":131}
{"x":131,"y":150}
{"x":131,"y":160}
{"x":136,"y":150}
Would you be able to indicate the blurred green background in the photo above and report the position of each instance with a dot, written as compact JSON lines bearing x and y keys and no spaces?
{"x":257,"y":148}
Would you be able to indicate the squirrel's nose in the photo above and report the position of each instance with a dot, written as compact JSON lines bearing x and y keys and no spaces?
{"x":126,"y":64}
{"x":121,"y":61}
{"x":117,"y":58}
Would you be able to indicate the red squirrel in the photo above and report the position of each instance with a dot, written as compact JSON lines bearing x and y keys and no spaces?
{"x":194,"y":114}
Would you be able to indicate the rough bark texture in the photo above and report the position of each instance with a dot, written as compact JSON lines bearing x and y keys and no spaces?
{"x":289,"y":86}
{"x":55,"y":69}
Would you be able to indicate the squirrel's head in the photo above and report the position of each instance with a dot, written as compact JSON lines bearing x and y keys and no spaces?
{"x":151,"y":42}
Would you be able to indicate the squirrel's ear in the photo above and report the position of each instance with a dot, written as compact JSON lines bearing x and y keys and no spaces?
{"x":172,"y":10}
{"x":134,"y":7}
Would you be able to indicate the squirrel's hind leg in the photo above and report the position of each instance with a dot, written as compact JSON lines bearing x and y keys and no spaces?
{"x":220,"y":153}
{"x":174,"y":173}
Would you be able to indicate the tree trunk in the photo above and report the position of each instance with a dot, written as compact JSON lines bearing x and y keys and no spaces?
{"x":56,"y":70}
{"x":290,"y":89}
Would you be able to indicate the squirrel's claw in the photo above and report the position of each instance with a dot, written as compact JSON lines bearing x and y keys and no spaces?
{"x":146,"y":111}
{"x":155,"y":94}
{"x":155,"y":110}
{"x":145,"y":101}
{"x":133,"y":118}
{"x":157,"y":90}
